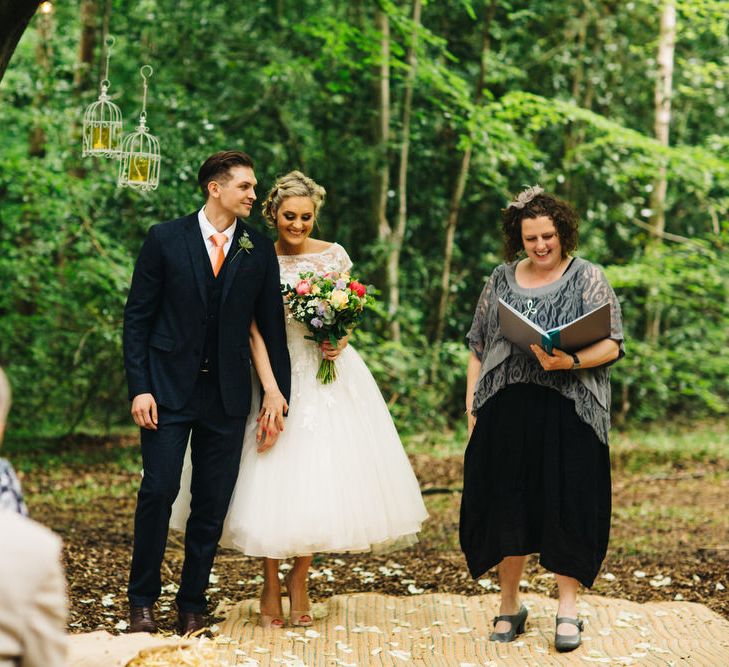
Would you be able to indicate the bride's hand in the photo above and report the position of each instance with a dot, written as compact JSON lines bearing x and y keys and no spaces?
{"x":331,"y":353}
{"x":271,"y":418}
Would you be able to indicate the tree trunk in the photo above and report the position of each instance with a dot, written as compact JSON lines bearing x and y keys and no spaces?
{"x":37,"y":138}
{"x":573,"y":135}
{"x":459,"y":188}
{"x":87,"y":44}
{"x":382,"y":130}
{"x":398,"y":234}
{"x":662,"y":97}
{"x":14,"y":18}
{"x":663,"y":92}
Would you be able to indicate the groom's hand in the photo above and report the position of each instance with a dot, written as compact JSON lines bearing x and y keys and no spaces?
{"x":144,"y":411}
{"x":266,"y":440}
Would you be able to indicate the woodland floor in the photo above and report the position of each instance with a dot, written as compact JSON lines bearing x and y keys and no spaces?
{"x":669,"y":538}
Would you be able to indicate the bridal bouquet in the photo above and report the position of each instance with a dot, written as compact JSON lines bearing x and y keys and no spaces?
{"x":330,"y":305}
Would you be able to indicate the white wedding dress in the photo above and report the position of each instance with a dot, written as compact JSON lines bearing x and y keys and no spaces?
{"x":337,"y":479}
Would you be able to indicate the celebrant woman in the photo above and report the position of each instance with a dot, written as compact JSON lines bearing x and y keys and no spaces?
{"x":537,"y":467}
{"x":337,"y":479}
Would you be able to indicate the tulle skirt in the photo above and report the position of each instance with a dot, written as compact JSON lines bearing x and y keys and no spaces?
{"x":337,"y":479}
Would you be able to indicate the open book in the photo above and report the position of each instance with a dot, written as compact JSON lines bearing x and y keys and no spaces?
{"x":570,"y":337}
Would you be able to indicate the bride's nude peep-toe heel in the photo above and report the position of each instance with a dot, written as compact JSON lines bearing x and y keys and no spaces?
{"x":275,"y":621}
{"x":271,"y":621}
{"x":301,"y":619}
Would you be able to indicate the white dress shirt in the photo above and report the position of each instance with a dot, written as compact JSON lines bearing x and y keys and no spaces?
{"x":207,"y":230}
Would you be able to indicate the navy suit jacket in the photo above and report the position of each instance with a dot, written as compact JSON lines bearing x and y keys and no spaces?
{"x":165,"y":316}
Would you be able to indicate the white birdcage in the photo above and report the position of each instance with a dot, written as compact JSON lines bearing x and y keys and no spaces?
{"x":102,"y":126}
{"x":140,"y":154}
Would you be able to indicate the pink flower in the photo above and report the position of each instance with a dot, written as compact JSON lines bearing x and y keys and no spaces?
{"x":358,"y":288}
{"x":303,"y":287}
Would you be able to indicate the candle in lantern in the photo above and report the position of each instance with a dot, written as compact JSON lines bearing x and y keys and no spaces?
{"x":101,"y":138}
{"x":138,"y":168}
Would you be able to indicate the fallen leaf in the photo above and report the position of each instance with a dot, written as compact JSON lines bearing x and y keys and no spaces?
{"x":402,"y":655}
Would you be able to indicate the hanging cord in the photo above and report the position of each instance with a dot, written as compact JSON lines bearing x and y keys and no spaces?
{"x":143,"y":115}
{"x":105,"y":83}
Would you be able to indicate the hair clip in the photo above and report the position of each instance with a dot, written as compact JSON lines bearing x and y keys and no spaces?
{"x":525,"y":196}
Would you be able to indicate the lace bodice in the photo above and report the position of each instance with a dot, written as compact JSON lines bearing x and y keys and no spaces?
{"x":333,"y":258}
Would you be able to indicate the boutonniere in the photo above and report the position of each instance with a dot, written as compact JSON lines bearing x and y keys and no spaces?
{"x":244,"y":243}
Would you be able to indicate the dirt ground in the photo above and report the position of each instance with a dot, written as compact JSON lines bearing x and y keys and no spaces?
{"x":669,"y":540}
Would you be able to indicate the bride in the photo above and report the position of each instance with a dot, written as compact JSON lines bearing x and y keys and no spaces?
{"x":337,"y":478}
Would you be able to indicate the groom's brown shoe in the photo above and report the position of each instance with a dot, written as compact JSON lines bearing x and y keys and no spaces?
{"x":141,"y":619}
{"x":188,"y":622}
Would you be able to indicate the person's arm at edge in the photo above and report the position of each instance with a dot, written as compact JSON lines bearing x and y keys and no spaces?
{"x":46,"y":642}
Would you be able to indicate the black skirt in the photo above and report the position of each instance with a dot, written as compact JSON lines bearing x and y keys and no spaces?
{"x":536,"y":480}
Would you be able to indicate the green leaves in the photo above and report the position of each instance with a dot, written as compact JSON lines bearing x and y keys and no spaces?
{"x":568,"y":103}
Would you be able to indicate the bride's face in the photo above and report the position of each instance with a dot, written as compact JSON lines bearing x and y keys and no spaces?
{"x":295,"y":220}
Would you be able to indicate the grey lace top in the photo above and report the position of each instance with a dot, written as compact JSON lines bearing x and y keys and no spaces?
{"x":579,"y":290}
{"x":11,"y":497}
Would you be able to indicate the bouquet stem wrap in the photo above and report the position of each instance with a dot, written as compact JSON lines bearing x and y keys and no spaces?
{"x":327,"y":372}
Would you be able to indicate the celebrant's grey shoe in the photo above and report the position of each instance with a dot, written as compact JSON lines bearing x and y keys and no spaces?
{"x":517,"y":621}
{"x":564,"y":643}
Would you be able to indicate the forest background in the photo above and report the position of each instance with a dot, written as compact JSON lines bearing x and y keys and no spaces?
{"x":420,"y":119}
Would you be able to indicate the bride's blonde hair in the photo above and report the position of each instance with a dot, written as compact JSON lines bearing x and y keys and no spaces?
{"x":293,"y":184}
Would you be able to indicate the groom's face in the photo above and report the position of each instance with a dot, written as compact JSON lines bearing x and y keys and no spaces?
{"x":236,"y":194}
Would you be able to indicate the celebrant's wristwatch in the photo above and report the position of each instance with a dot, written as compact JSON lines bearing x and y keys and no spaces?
{"x":576,"y":359}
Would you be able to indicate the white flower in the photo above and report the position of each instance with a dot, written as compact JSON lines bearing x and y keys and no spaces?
{"x":339,"y":299}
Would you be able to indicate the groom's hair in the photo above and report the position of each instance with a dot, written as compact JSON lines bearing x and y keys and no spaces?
{"x":217,"y":168}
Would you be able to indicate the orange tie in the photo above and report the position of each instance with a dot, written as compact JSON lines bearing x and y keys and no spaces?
{"x":217,"y":256}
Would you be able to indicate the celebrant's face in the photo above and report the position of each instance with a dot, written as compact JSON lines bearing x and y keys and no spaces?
{"x":541,"y":242}
{"x":237,"y":194}
{"x":294,"y":221}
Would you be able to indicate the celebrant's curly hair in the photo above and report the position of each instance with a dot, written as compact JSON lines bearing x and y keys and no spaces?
{"x":533,"y":203}
{"x":293,"y":184}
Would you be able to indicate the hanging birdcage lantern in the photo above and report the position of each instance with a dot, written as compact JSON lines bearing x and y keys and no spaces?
{"x":140,"y":154}
{"x":102,"y":126}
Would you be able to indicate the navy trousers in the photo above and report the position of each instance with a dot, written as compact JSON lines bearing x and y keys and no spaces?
{"x":217,"y":442}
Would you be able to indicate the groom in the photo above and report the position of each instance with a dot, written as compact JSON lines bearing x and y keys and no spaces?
{"x":197,"y":284}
